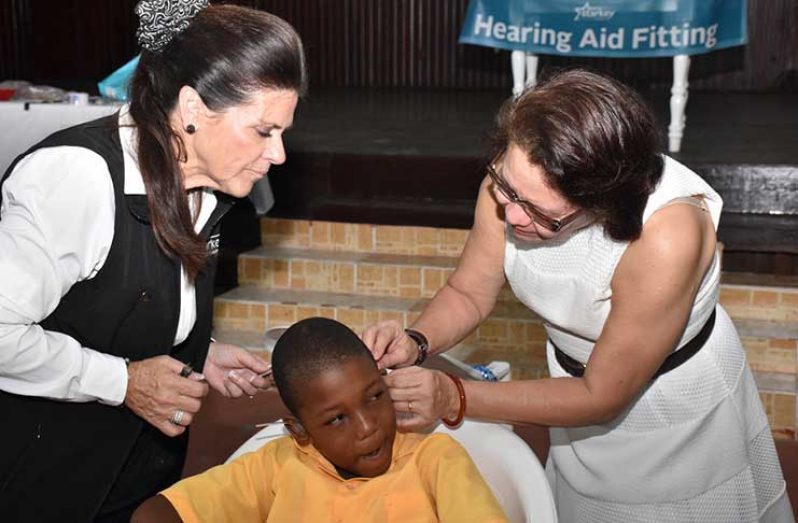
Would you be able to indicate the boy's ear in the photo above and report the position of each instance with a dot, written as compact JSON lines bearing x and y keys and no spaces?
{"x":296,"y":430}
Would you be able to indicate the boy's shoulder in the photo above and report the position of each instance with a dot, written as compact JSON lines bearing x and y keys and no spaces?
{"x":433,"y":444}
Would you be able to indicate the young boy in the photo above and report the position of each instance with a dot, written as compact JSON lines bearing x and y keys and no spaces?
{"x":344,"y":461}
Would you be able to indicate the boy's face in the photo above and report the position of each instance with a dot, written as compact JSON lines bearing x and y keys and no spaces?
{"x":349,"y":417}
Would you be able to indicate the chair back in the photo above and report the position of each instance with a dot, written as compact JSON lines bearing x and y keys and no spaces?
{"x":510,"y":468}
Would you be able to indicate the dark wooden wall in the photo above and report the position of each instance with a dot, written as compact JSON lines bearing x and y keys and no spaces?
{"x":374,"y":43}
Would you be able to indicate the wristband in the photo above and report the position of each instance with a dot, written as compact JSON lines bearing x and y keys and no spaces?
{"x":421,"y":341}
{"x":451,"y":423}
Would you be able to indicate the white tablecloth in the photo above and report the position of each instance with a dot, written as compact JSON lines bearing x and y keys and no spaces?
{"x":25,"y":124}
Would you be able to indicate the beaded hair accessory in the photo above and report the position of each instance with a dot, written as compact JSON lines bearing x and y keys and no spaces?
{"x":161,"y":20}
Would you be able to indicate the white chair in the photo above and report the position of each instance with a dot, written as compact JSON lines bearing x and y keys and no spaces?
{"x":508,"y":465}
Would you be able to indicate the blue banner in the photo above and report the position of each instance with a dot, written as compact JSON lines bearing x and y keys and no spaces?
{"x":613,"y":28}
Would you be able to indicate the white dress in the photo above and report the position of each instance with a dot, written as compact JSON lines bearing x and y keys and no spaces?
{"x":695,"y":445}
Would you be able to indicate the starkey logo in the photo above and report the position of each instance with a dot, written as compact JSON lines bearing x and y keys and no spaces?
{"x":589,"y":12}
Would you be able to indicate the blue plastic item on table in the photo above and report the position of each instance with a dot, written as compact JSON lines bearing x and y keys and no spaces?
{"x":116,"y":84}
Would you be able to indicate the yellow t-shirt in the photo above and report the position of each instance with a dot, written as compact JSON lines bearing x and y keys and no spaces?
{"x":431,"y":478}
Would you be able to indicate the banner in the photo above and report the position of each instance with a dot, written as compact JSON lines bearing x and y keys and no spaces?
{"x":611,"y":28}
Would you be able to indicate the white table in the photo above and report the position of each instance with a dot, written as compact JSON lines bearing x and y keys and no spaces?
{"x":24,"y":124}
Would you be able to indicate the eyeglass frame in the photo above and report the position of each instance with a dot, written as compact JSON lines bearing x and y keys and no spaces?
{"x":535,"y":214}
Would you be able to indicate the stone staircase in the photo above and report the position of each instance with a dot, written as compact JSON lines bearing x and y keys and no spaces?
{"x":359,"y":274}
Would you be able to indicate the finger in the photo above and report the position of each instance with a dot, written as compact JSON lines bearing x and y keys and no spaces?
{"x":186,"y":421}
{"x":391,"y":360}
{"x":367,"y":337}
{"x":188,"y":387}
{"x":171,"y":363}
{"x":255,"y":363}
{"x":233,"y":390}
{"x":412,"y":423}
{"x":404,"y":395}
{"x":387,"y":336}
{"x":260,"y":382}
{"x":196,"y":376}
{"x":170,"y":429}
{"x":244,"y":384}
{"x":371,"y":339}
{"x":187,"y":404}
{"x":406,"y":378}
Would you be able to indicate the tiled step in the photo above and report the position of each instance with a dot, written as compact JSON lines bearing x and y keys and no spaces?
{"x":355,"y":237}
{"x":378,"y":260}
{"x":368,"y":274}
{"x":512,"y":332}
{"x":375,"y":274}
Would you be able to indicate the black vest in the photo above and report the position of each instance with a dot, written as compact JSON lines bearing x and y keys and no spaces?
{"x":60,"y":460}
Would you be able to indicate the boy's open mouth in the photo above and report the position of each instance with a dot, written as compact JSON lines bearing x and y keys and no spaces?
{"x":374,"y":453}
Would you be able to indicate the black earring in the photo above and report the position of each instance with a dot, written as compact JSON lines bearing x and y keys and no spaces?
{"x":190,"y":129}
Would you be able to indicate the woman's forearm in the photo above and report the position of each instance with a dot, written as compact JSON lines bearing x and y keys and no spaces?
{"x":561,"y":402}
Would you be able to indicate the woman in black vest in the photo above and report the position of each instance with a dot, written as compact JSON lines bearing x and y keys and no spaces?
{"x":107,"y":235}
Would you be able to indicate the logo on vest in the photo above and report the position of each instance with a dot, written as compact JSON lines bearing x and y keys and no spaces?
{"x":213,"y":245}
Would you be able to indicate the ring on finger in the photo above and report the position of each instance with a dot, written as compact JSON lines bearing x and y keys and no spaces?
{"x":177,"y":417}
{"x":186,"y":371}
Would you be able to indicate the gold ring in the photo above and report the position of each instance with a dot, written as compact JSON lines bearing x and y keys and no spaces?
{"x":186,"y":371}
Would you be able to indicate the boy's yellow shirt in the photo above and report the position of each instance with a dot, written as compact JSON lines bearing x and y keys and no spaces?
{"x":431,"y":478}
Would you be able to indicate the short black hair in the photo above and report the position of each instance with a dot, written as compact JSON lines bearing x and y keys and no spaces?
{"x":597,"y":141}
{"x":308,"y":348}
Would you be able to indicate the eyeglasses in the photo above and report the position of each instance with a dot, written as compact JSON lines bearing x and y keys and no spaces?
{"x":552,"y":224}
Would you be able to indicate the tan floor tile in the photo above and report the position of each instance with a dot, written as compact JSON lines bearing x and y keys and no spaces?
{"x":219,"y":309}
{"x":767,"y":404}
{"x":789,"y":299}
{"x":781,"y":360}
{"x":765,"y":298}
{"x":352,"y":318}
{"x":304,"y":312}
{"x":344,"y":277}
{"x":390,"y":280}
{"x":327,"y":312}
{"x":338,"y":234}
{"x":392,"y":316}
{"x":281,"y":314}
{"x":237,"y":310}
{"x":257,"y":311}
{"x":365,"y":238}
{"x":320,"y":234}
{"x":734,"y":297}
{"x":493,"y":331}
{"x":776,"y":343}
{"x":410,"y":276}
{"x":784,"y":410}
{"x":280,"y":274}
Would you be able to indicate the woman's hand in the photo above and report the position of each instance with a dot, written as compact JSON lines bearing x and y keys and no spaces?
{"x":233,"y":371}
{"x":421,"y":397}
{"x":156,"y":391}
{"x":390,"y":345}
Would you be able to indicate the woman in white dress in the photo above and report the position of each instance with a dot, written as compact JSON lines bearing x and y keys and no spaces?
{"x":653,"y":410}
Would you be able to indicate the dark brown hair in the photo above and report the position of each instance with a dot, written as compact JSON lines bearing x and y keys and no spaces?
{"x":595,"y":139}
{"x":225,"y":54}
